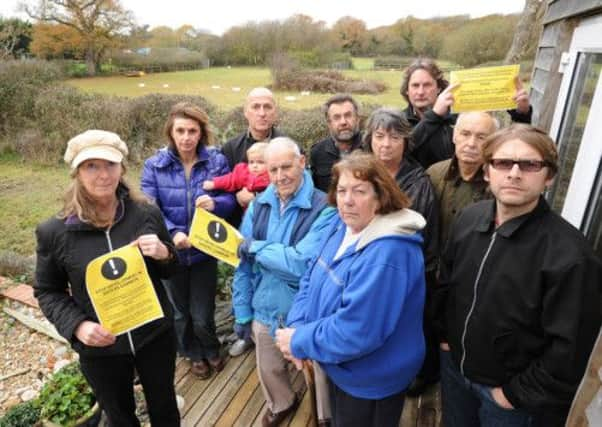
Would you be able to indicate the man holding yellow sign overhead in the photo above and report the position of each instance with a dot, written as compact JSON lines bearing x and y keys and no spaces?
{"x":102,"y":213}
{"x":430,"y":97}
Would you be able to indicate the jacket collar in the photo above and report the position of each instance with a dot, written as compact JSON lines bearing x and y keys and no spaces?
{"x":301,"y":199}
{"x":331,"y":147}
{"x":453,"y":172}
{"x":507,"y":229}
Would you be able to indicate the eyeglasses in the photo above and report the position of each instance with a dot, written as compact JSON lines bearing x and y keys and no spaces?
{"x":523,"y":165}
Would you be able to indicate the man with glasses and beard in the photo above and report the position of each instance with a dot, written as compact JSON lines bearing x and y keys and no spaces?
{"x":341,"y":112}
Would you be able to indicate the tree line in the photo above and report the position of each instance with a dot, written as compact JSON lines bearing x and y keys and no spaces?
{"x":96,"y":30}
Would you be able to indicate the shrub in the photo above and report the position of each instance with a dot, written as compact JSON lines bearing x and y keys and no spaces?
{"x":25,"y":414}
{"x":17,"y":266}
{"x":66,"y":396}
{"x":305,"y":126}
{"x":20,"y":82}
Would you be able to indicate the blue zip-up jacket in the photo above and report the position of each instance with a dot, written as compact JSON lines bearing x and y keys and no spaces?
{"x":264,"y":288}
{"x":360,"y":316}
{"x":164,"y":180}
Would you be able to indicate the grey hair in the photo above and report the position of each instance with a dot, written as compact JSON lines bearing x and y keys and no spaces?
{"x":339,"y":98}
{"x":260,"y":91}
{"x":282,"y":143}
{"x":388,"y":119}
{"x":494,"y":120}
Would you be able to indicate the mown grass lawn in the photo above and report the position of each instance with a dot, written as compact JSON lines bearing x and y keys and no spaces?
{"x":228,"y":87}
{"x":29,"y":194}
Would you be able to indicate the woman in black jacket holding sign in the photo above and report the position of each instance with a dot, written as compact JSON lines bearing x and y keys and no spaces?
{"x":100,"y":214}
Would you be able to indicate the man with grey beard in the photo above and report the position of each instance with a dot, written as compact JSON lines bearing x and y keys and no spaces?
{"x":341,"y":112}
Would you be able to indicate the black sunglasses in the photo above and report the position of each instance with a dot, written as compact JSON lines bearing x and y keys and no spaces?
{"x":523,"y":165}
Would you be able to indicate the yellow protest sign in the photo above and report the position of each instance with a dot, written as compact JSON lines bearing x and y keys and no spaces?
{"x":214,"y":236}
{"x":121,"y":290}
{"x":484,"y":89}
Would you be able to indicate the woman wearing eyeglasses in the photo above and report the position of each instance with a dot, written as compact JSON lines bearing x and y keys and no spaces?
{"x":520,"y":288}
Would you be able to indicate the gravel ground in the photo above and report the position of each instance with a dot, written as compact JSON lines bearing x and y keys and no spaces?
{"x":33,"y":356}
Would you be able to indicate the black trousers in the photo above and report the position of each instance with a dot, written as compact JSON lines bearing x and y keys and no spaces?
{"x":350,"y":411}
{"x":191,"y":291}
{"x":112,"y":379}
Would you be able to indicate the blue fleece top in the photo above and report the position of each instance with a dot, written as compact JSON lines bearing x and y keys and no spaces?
{"x":264,"y":288}
{"x":360,"y":316}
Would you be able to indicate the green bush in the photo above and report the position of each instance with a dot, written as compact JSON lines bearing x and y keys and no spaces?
{"x":25,"y":414}
{"x":66,"y":396}
{"x":20,"y":82}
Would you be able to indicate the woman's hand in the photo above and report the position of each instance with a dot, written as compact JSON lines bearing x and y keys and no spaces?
{"x":208,"y":185}
{"x":500,"y":398}
{"x":180,"y":240}
{"x":205,"y":202}
{"x":151,"y":246}
{"x":445,"y":100}
{"x":93,"y":334}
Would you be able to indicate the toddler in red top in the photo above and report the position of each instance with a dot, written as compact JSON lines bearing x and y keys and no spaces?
{"x":252,"y":175}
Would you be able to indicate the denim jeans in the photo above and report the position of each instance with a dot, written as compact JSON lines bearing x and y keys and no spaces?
{"x":467,"y":404}
{"x":191,"y":291}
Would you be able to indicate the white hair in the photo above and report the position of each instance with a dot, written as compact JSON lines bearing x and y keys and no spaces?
{"x":260,"y":91}
{"x":282,"y":143}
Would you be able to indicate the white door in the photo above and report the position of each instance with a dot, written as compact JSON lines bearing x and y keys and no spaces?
{"x":577,"y":128}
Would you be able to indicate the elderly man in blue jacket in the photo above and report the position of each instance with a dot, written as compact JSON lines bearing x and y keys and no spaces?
{"x":282,"y":229}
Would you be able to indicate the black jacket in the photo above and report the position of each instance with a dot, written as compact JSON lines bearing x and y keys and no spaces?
{"x":522,"y":305}
{"x":432,"y":137}
{"x":236,"y":148}
{"x":322,"y":157}
{"x":64,"y":249}
{"x":413,"y":180}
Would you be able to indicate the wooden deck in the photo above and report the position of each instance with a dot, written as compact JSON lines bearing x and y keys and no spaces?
{"x":234,"y":398}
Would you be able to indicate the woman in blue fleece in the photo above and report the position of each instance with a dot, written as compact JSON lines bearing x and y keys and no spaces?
{"x":359,"y":309}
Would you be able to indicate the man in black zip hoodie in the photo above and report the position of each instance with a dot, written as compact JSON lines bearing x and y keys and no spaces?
{"x":519,"y":294}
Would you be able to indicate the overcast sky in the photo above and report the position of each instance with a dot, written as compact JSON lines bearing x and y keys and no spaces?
{"x":219,"y":15}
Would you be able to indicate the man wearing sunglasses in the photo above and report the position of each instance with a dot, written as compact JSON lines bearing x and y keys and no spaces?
{"x":521,"y":295}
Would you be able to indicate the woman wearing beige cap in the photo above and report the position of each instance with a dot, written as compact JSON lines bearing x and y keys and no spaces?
{"x":101,"y":212}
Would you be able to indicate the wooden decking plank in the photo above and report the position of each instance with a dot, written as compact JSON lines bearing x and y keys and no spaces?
{"x":410,"y":412}
{"x":429,"y":412}
{"x":212,"y":393}
{"x":239,"y":401}
{"x":195,"y":391}
{"x":252,"y":409}
{"x":182,"y":368}
{"x":215,"y":410}
{"x":303,"y":416}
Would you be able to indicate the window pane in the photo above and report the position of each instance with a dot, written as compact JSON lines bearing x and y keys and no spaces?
{"x":577,"y":111}
{"x":593,"y":216}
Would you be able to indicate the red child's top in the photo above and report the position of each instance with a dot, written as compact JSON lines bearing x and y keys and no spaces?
{"x":241,"y":177}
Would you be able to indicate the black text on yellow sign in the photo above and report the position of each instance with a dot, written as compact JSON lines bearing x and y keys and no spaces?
{"x":121,"y":290}
{"x":214,"y":236}
{"x":484,"y":89}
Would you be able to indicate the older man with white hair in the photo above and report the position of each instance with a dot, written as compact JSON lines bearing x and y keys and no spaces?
{"x":282,"y":228}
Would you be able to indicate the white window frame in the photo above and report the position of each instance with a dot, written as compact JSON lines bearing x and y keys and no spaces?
{"x":586,"y":39}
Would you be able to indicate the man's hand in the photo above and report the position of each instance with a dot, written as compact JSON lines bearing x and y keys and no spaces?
{"x":93,"y":334}
{"x":521,"y":97}
{"x":445,"y":100}
{"x":498,"y":395}
{"x":244,"y":197}
{"x":205,"y":202}
{"x":180,"y":240}
{"x":444,"y":346}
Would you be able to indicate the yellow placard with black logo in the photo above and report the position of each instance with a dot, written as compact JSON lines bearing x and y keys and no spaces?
{"x":121,"y":290}
{"x":214,"y":236}
{"x":485,"y":89}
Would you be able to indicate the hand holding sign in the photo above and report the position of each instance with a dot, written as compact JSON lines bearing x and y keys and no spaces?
{"x":205,"y":202}
{"x":150,"y":245}
{"x":93,"y":334}
{"x":445,"y":100}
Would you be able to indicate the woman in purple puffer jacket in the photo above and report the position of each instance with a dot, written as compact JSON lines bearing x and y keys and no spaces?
{"x":173,"y":177}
